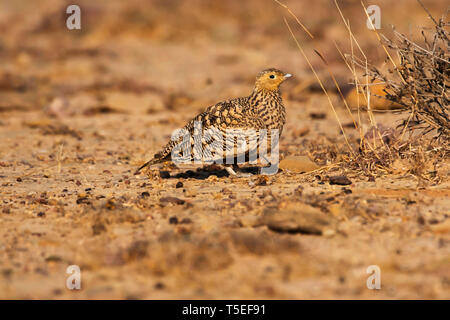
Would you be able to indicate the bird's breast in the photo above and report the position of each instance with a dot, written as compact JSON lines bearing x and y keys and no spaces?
{"x":273,"y":114}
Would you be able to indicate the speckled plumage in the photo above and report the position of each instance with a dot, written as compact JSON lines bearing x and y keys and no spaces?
{"x":262,"y":109}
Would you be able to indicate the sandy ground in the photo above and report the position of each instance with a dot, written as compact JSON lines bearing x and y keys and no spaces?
{"x":80,"y":110}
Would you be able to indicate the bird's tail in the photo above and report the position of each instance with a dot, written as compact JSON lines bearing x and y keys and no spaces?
{"x":160,"y":157}
{"x":149,"y":163}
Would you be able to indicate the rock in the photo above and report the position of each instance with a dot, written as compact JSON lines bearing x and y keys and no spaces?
{"x":328,"y":233}
{"x":318,"y":115}
{"x":262,"y":242}
{"x":443,"y":227}
{"x":249,"y":221}
{"x":297,"y":218}
{"x":377,"y":100}
{"x":376,"y":136}
{"x":173,"y":200}
{"x":53,"y":258}
{"x":186,"y":221}
{"x":145,"y":194}
{"x":164,"y":174}
{"x":98,"y":228}
{"x":340,"y":180}
{"x":173,"y":220}
{"x":298,"y":164}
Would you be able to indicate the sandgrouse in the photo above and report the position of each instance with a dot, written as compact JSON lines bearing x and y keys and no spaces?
{"x":225,"y":122}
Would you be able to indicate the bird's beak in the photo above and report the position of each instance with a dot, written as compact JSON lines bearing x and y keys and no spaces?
{"x":287,"y":75}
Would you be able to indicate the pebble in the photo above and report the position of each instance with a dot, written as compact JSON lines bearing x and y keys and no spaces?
{"x":173,"y":220}
{"x":297,"y":218}
{"x":443,"y":227}
{"x":340,"y":180}
{"x":249,"y":220}
{"x":298,"y":164}
{"x":173,"y":200}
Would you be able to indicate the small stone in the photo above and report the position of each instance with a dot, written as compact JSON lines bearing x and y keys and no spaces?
{"x":42,"y":201}
{"x":53,"y":259}
{"x":186,"y":221}
{"x":82,"y":200}
{"x":164,"y":174}
{"x":145,"y":194}
{"x":249,"y":221}
{"x":318,"y":115}
{"x":328,"y":233}
{"x":296,"y":218}
{"x":41,"y":214}
{"x":173,"y":220}
{"x":173,"y":200}
{"x":346,"y":190}
{"x":340,"y":180}
{"x":179,"y":185}
{"x":443,"y":227}
{"x":98,"y":228}
{"x":298,"y":164}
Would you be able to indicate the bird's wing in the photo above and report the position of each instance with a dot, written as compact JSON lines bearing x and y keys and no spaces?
{"x":224,"y":128}
{"x":229,"y":130}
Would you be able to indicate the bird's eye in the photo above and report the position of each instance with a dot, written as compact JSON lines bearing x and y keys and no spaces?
{"x":272,"y":76}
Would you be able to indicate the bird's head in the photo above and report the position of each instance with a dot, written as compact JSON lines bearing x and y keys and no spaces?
{"x":270,"y":79}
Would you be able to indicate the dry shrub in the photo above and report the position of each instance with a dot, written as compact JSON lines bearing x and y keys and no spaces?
{"x":420,"y":83}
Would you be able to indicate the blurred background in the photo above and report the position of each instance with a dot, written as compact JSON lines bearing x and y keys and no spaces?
{"x":204,"y":49}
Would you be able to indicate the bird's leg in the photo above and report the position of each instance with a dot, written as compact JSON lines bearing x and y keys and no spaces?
{"x":231,"y":169}
{"x":264,"y":157}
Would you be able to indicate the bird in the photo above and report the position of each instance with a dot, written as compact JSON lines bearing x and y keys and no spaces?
{"x":226,"y":122}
